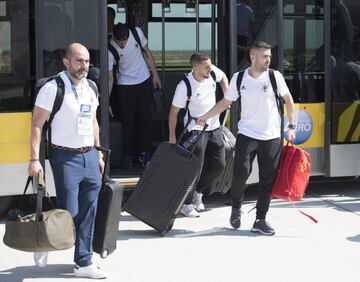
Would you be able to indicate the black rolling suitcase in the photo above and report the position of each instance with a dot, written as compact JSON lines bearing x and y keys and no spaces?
{"x":222,"y":183}
{"x":108,"y":214}
{"x":165,"y":184}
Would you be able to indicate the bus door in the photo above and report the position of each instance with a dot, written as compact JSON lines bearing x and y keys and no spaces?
{"x":58,"y":23}
{"x":175,"y":30}
{"x":343,"y":96}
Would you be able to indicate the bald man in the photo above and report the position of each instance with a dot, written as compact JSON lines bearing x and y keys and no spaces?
{"x":75,"y":162}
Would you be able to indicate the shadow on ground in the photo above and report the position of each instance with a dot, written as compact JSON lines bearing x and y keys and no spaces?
{"x":21,"y":273}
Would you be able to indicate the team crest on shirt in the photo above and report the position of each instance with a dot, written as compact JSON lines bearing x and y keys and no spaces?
{"x":264,"y":87}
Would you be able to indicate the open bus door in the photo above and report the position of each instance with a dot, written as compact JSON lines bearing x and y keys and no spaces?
{"x":175,"y":30}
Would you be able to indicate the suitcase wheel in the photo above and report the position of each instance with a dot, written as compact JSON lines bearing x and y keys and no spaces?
{"x":167,"y":229}
{"x":104,"y":253}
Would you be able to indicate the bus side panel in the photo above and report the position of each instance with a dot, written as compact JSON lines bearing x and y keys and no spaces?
{"x":15,"y":154}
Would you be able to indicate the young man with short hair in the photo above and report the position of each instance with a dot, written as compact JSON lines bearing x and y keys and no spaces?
{"x":210,"y":149}
{"x":259,"y":132}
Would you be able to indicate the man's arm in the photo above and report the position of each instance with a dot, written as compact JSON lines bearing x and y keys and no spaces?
{"x":111,"y":81}
{"x":220,"y":106}
{"x":174,"y":111}
{"x":40,"y":115}
{"x":97,"y":143}
{"x":289,"y":102}
{"x":151,"y":63}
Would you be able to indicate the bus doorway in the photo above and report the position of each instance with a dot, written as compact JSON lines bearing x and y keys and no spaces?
{"x":175,"y":30}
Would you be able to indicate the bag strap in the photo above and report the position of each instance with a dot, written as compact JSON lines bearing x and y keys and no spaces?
{"x":279,"y":101}
{"x":238,"y":85}
{"x":137,"y":39}
{"x":93,"y":87}
{"x":59,"y":98}
{"x":213,"y":75}
{"x":116,"y":56}
{"x":188,"y":93}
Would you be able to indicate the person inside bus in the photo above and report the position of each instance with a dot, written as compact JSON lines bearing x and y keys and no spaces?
{"x":75,"y":162}
{"x":110,"y":21}
{"x":210,"y":149}
{"x":245,"y":28}
{"x":134,"y":85}
{"x":259,"y":132}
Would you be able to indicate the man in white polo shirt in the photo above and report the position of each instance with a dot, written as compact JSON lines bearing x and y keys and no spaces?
{"x":75,"y":162}
{"x":210,"y":150}
{"x":133,"y":90}
{"x":259,"y":131}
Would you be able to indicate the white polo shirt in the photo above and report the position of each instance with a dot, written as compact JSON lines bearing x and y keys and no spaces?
{"x":132,"y":68}
{"x":64,"y":127}
{"x":202,"y":98}
{"x":260,"y":117}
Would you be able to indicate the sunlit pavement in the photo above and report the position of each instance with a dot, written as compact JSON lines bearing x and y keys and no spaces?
{"x":207,"y":249}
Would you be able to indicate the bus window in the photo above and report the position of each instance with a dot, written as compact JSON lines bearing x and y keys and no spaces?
{"x":5,"y":48}
{"x":345,"y":61}
{"x":304,"y":50}
{"x":178,"y":51}
{"x":180,"y":34}
{"x":120,"y":15}
{"x":14,"y":56}
{"x":255,"y":21}
{"x":65,"y":22}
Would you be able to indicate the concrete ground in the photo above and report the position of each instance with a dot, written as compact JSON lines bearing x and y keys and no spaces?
{"x":207,"y":249}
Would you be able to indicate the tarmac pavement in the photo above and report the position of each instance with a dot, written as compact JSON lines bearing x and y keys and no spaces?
{"x":206,"y":249}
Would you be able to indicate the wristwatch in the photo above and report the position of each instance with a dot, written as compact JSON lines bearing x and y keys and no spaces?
{"x":291,"y":126}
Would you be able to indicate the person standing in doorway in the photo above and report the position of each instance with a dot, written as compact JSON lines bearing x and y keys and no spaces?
{"x":134,"y":85}
{"x":259,"y":132}
{"x":74,"y":160}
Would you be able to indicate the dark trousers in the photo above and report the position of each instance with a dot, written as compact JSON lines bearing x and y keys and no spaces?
{"x":78,"y":182}
{"x":211,"y":152}
{"x":135,"y":115}
{"x":268,"y":153}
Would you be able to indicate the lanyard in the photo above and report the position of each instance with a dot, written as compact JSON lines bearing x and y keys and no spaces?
{"x":73,"y":87}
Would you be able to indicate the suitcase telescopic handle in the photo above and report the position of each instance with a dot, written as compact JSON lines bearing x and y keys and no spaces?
{"x":226,"y":117}
{"x":107,"y":153}
{"x":184,"y":131}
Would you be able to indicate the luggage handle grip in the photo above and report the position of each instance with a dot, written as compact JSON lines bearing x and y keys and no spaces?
{"x":184,"y":131}
{"x":107,"y":153}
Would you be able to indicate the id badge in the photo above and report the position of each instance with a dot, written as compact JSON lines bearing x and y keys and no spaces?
{"x":85,"y":126}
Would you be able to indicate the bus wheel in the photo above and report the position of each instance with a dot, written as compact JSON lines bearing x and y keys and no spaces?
{"x":5,"y":203}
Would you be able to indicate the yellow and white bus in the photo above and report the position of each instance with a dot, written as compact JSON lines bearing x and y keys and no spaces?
{"x":315,"y":44}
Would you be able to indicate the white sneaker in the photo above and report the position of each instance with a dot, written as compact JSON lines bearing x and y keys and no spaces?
{"x":41,"y":258}
{"x":189,"y":211}
{"x":197,"y":201}
{"x":90,"y":271}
